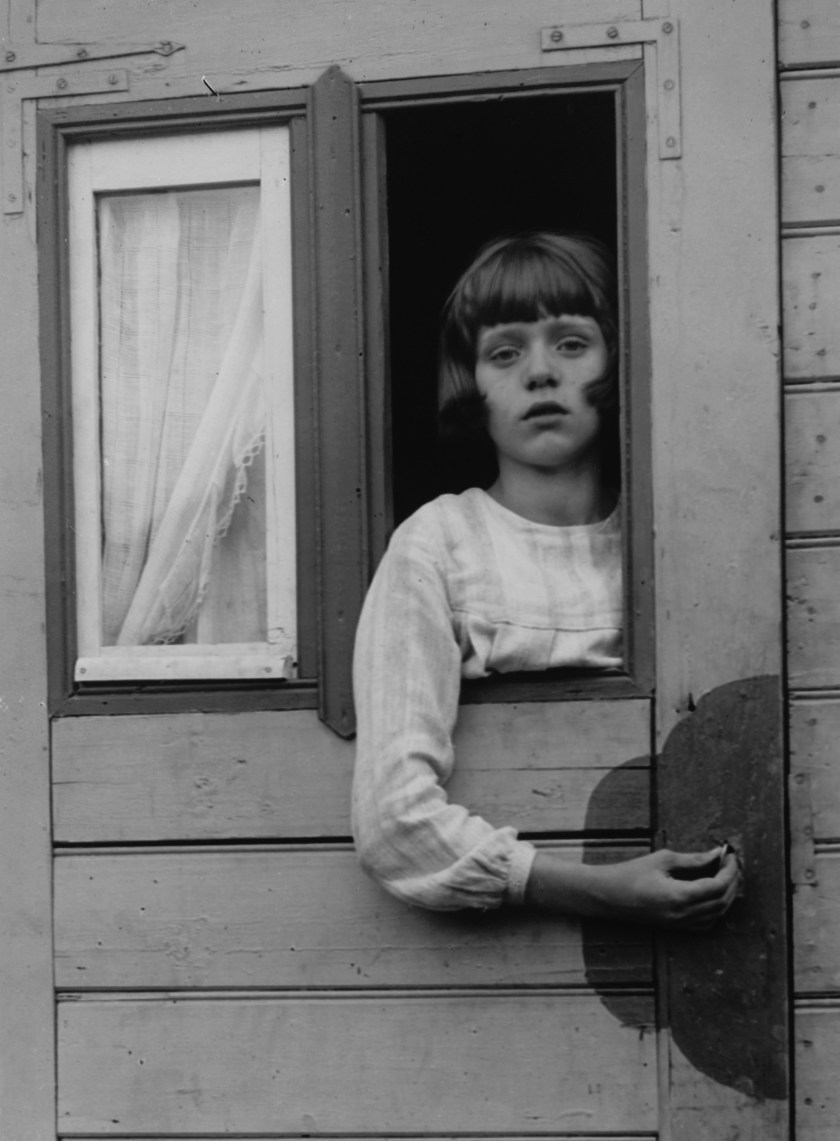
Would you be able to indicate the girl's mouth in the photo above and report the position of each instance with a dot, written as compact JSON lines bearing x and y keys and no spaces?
{"x":545,"y":408}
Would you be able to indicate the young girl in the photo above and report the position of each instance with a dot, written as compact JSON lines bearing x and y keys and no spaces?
{"x":525,"y":575}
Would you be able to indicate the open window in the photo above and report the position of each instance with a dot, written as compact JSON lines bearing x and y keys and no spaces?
{"x":461,"y":161}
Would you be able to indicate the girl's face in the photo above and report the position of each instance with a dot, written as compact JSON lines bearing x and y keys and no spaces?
{"x":534,"y":376}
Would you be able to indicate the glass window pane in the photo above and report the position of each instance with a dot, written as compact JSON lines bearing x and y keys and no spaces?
{"x":183,"y":417}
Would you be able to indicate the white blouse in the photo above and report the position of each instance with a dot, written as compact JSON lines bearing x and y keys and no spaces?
{"x":466,"y":588}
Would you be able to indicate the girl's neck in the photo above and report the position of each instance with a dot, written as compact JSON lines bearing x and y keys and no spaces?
{"x":564,"y":498}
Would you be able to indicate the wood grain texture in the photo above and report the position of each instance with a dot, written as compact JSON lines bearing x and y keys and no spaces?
{"x":369,"y":40}
{"x":811,"y":288}
{"x":813,"y":617}
{"x":812,"y":450}
{"x":817,"y":1051}
{"x":809,"y":32}
{"x":272,"y":775}
{"x":305,"y":918}
{"x":26,"y":1005}
{"x":817,"y":927}
{"x":810,"y":151}
{"x":815,"y":754}
{"x":385,"y":1065}
{"x":717,"y":472}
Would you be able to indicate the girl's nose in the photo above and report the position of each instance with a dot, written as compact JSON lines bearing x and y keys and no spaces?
{"x":542,"y":370}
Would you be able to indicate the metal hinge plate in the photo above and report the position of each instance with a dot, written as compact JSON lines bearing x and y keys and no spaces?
{"x":660,"y":42}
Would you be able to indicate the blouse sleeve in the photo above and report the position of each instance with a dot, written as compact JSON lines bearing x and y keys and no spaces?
{"x":406,"y":678}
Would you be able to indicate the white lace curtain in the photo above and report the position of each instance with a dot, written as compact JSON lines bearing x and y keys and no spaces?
{"x":183,"y":417}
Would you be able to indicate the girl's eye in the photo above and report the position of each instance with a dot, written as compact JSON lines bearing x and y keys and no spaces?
{"x":572,"y":345}
{"x":504,"y":354}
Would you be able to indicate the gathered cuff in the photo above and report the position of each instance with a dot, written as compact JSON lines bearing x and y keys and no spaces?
{"x":522,"y":858}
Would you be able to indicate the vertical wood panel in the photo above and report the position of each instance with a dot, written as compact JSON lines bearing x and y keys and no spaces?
{"x":27,"y":1094}
{"x":716,"y":451}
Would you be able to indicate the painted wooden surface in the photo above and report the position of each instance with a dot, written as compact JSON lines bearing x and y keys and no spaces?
{"x":716,"y":435}
{"x":26,"y":1010}
{"x":815,"y":755}
{"x":810,"y":162}
{"x":204,"y":777}
{"x":809,"y":32}
{"x":817,"y":926}
{"x":245,"y":1064}
{"x":262,"y":48}
{"x":813,"y":617}
{"x":817,"y":1089}
{"x":811,"y":283}
{"x":300,"y":917}
{"x":812,"y":447}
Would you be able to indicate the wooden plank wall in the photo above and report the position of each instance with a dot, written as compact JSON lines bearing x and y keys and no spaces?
{"x":809,"y":55}
{"x":214,"y":936}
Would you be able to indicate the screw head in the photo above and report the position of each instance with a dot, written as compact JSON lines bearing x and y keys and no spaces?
{"x":556,"y":36}
{"x":612,"y":33}
{"x":82,"y":53}
{"x":12,"y":197}
{"x":113,"y":79}
{"x":667,"y":27}
{"x":669,"y":85}
{"x":61,"y":83}
{"x":10,"y":57}
{"x":670,"y":141}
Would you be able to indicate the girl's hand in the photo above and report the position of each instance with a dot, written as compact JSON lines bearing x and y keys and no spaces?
{"x":665,"y":889}
{"x":669,"y":889}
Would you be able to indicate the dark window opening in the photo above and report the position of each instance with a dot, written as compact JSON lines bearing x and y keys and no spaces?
{"x":460,"y":174}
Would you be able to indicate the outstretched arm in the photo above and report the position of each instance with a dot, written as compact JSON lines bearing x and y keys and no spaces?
{"x":665,"y":888}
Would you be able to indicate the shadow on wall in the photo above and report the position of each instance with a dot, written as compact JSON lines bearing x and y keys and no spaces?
{"x":719,"y":778}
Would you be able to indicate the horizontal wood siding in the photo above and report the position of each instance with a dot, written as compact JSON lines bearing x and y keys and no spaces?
{"x":809,"y":32}
{"x":815,"y":756}
{"x":817,"y":1051}
{"x":811,"y":280}
{"x":199,"y":1065}
{"x":809,"y":37}
{"x":813,"y":459}
{"x":817,"y":918}
{"x":810,"y":162}
{"x":814,"y":617}
{"x":272,"y":775}
{"x":307,"y":918}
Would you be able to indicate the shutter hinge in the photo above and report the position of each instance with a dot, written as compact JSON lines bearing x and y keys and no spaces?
{"x":16,"y":87}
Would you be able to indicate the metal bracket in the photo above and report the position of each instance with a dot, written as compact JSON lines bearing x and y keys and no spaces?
{"x":660,"y":41}
{"x":14,"y":57}
{"x":803,"y":864}
{"x":17,"y":88}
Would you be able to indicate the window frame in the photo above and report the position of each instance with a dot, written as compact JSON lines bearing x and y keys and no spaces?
{"x":626,"y":81}
{"x":341,"y":378}
{"x":58,"y":129}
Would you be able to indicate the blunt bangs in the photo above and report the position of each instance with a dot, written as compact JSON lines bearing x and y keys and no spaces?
{"x":528,"y":278}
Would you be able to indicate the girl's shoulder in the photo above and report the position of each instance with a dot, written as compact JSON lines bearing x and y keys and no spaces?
{"x":443,"y":522}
